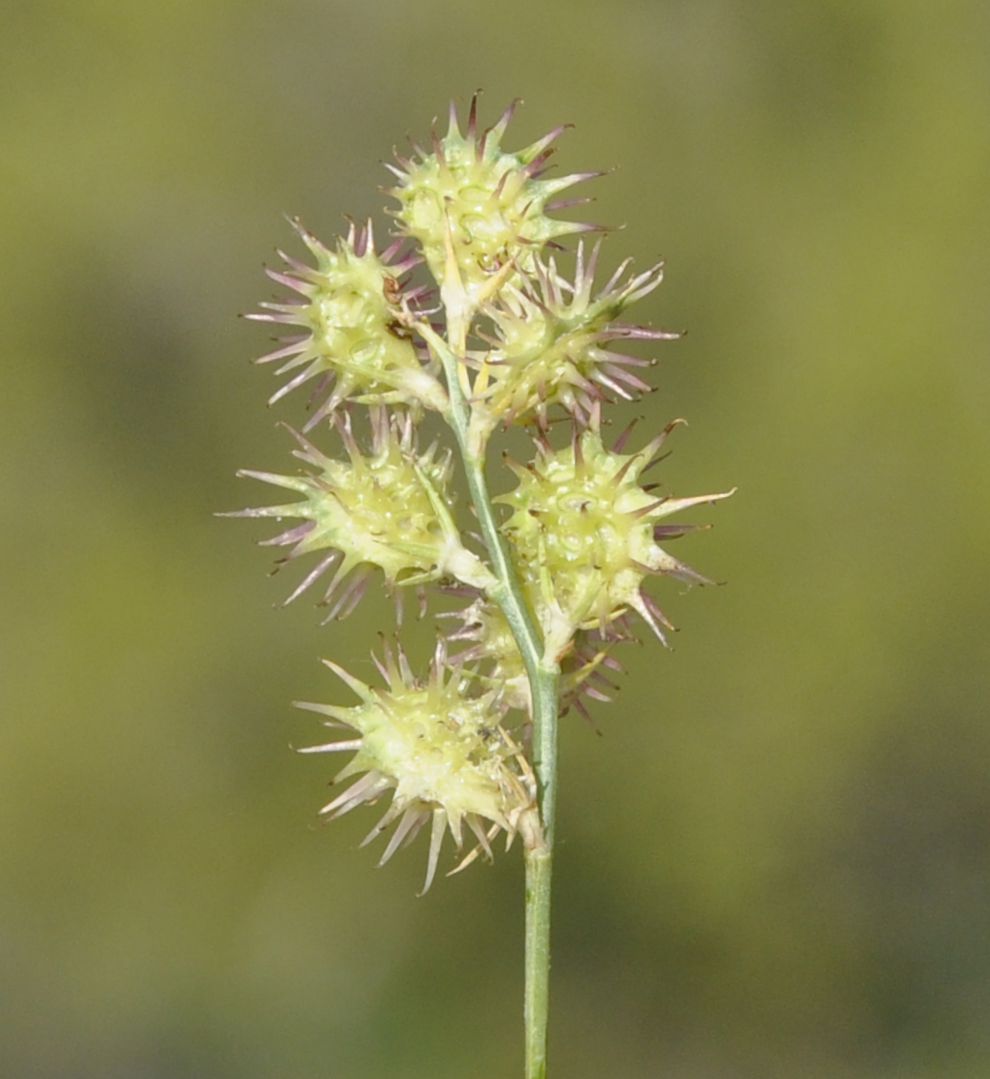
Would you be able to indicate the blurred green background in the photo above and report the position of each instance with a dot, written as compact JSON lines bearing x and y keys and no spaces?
{"x":775,"y":860}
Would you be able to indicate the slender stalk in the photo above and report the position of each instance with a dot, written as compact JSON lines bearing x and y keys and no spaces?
{"x":543,"y":675}
{"x":537,"y":991}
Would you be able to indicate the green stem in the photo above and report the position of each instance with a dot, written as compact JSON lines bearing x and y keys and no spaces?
{"x":536,"y":1005}
{"x":543,"y":675}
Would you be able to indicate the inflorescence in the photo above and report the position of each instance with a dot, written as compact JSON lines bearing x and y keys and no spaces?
{"x":466,"y":314}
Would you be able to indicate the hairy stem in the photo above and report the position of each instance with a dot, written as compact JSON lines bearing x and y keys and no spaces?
{"x":543,"y":675}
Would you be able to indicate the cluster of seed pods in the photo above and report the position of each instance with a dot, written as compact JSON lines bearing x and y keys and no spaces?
{"x":473,"y":273}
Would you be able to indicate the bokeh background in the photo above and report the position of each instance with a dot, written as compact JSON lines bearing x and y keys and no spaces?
{"x":774,"y":860}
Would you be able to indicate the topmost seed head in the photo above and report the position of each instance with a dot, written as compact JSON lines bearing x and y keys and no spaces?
{"x":490,"y":204}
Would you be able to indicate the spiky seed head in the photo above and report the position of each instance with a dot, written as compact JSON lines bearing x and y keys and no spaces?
{"x":555,"y":343}
{"x":349,"y":308}
{"x":388,"y":508}
{"x":441,"y":753}
{"x":584,"y":531}
{"x":495,"y":659}
{"x":492,"y":205}
{"x":492,"y":649}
